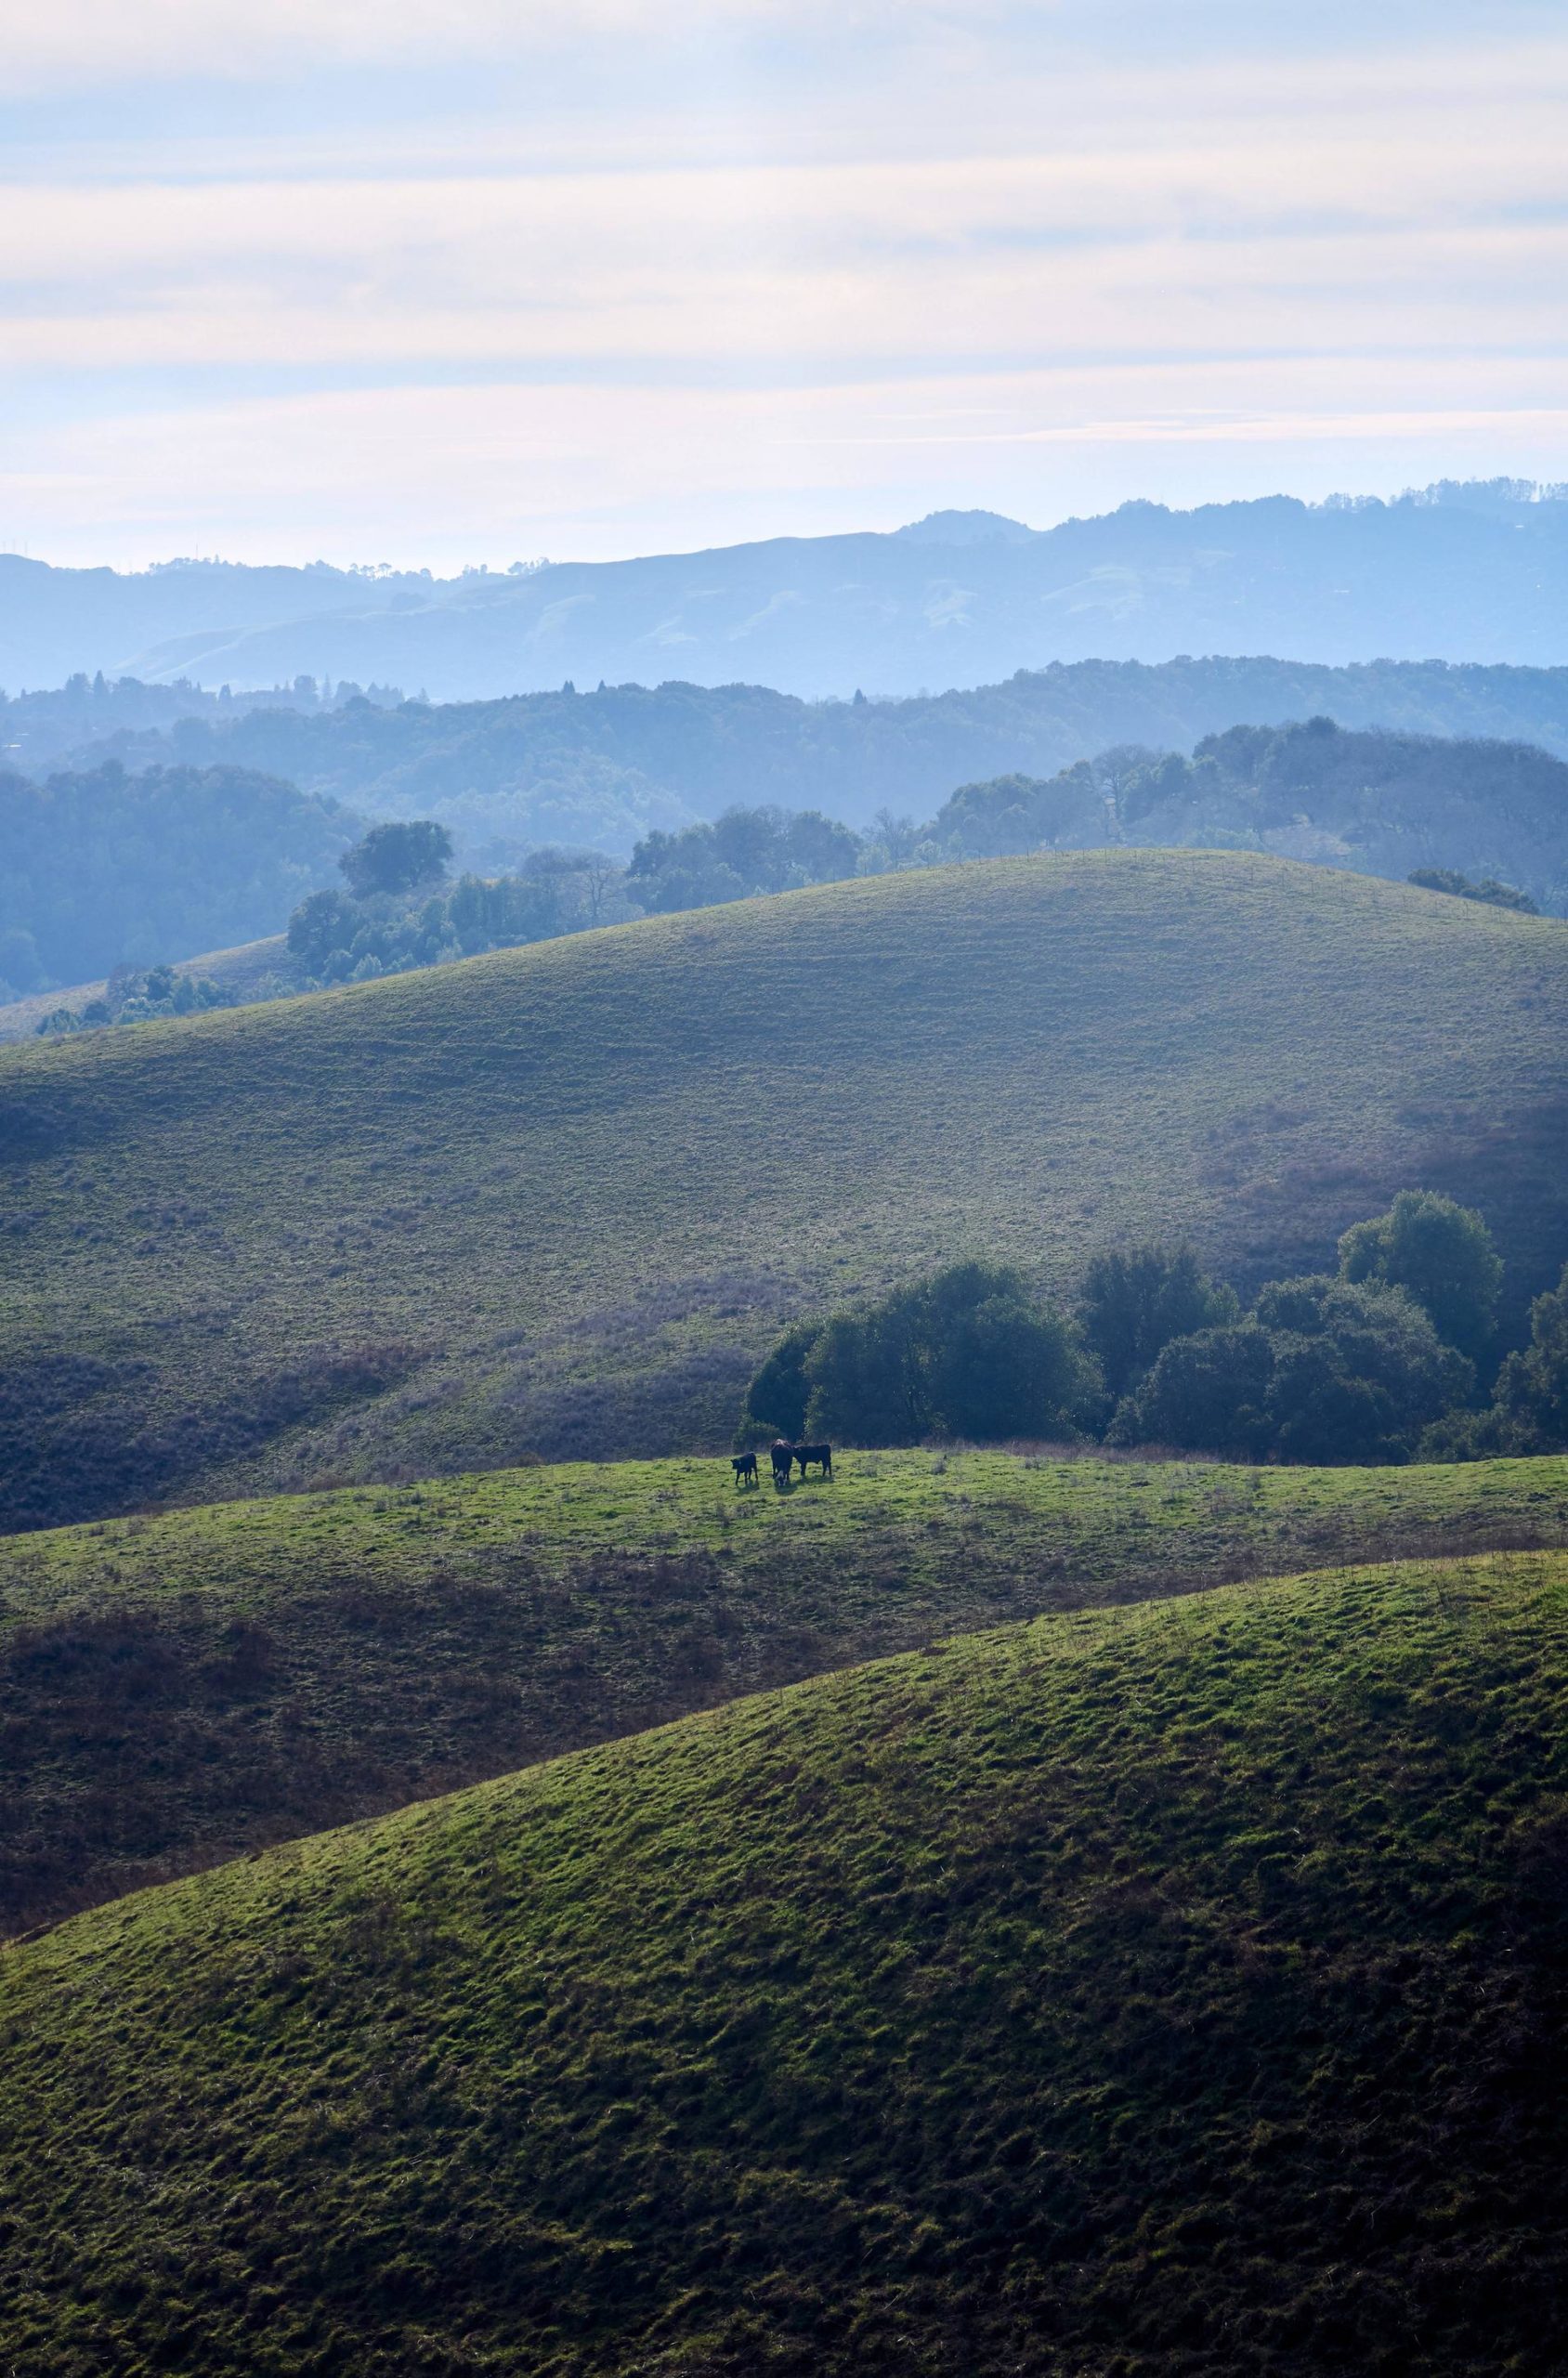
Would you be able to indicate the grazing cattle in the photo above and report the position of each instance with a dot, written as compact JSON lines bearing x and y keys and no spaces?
{"x":820,"y":1454}
{"x":782,"y":1456}
{"x":745,"y":1468}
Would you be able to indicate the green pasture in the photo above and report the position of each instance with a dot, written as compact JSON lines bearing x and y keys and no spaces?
{"x":1176,"y":1988}
{"x":176,"y":1691}
{"x":556,"y":1201}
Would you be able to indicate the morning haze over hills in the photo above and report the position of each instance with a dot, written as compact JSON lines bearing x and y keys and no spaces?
{"x":1473,"y":572}
{"x":784,"y":1313}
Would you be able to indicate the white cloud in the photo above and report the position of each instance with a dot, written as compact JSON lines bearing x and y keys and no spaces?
{"x":957,"y":270}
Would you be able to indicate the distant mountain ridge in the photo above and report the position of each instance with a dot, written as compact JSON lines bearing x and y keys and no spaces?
{"x":1462,"y":572}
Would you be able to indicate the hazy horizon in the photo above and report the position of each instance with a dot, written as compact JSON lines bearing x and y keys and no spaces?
{"x":444,"y":287}
{"x":1538,"y":492}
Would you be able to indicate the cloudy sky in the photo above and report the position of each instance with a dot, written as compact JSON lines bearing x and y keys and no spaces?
{"x":441,"y":281}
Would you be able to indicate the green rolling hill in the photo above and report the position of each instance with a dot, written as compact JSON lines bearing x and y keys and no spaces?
{"x":1173,"y":1991}
{"x":553,"y":1202}
{"x":185,"y":1690}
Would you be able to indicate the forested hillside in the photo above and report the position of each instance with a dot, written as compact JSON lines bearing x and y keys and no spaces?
{"x":608,"y":767}
{"x":105,"y":869}
{"x":1385,"y":804}
{"x":560,"y":1200}
{"x":41,"y":730}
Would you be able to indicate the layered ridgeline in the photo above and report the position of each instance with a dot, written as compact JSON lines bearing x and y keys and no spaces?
{"x":607,"y":764}
{"x":1174,"y":1990}
{"x":182,"y":1690}
{"x":556,"y":1201}
{"x":116,"y":871}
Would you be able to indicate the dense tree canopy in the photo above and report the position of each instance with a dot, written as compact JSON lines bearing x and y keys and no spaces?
{"x":1443,"y":1254}
{"x":608,"y":766}
{"x":744,"y":850}
{"x":1135,"y":1303}
{"x":1529,"y":1411}
{"x":1324,"y":1370}
{"x":967,"y":1353}
{"x":109,"y":869}
{"x":1533,"y":1384}
{"x":1492,"y":894}
{"x":336,"y":937}
{"x":398,"y":857}
{"x":1385,"y":804}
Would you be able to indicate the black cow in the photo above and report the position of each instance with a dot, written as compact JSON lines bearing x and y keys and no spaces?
{"x":745,"y":1468}
{"x":821,"y":1454}
{"x":782,"y":1456}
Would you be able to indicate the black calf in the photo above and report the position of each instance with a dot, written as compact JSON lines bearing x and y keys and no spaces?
{"x":745,"y":1467}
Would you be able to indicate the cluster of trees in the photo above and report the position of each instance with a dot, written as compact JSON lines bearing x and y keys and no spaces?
{"x":1378,"y":1361}
{"x":106,"y":867}
{"x":1388,"y":804}
{"x":399,"y":911}
{"x":1492,"y":894}
{"x":50,"y":727}
{"x":968,"y":1353}
{"x":744,"y":852}
{"x":133,"y":996}
{"x":109,"y":869}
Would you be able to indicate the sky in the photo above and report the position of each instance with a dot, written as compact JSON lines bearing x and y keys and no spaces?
{"x":449,"y":282}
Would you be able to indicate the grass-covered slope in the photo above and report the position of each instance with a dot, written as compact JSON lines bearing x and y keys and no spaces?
{"x":177,"y":1692}
{"x":250,"y":971}
{"x":1174,"y":1990}
{"x":556,"y":1200}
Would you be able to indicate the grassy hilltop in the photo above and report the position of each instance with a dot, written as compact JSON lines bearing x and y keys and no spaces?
{"x":181,"y":1690}
{"x":554,"y":1201}
{"x":1167,"y":1990}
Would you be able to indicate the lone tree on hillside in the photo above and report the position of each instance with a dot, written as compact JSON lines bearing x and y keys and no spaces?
{"x":398,"y":857}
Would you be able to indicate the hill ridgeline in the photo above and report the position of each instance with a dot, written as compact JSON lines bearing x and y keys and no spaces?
{"x":556,"y":1201}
